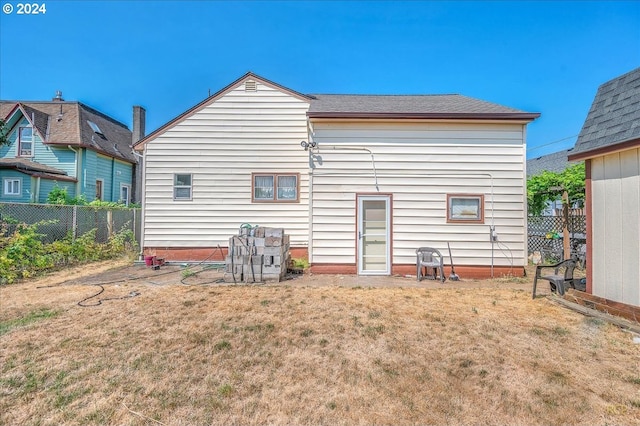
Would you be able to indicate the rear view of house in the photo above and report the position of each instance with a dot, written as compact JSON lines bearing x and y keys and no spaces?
{"x":65,"y":144}
{"x":359,"y":182}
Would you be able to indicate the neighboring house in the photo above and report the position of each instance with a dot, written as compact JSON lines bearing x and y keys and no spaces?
{"x":64,"y":144}
{"x":556,"y":162}
{"x":609,"y":143}
{"x":359,"y":182}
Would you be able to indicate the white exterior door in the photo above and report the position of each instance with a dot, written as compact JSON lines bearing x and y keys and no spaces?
{"x":374,"y":254}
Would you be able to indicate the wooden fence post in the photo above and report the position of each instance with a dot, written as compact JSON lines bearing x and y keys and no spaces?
{"x":74,"y":222}
{"x":565,"y":225}
{"x":109,"y":223}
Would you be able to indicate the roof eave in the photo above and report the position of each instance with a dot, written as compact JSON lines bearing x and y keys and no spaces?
{"x":93,"y":148}
{"x":524,"y":116}
{"x":604,"y":150}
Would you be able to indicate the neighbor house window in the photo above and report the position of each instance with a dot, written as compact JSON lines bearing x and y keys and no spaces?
{"x":124,"y":194}
{"x":99,"y":186}
{"x":182,"y":185}
{"x":12,"y":186}
{"x":465,"y":208}
{"x":275,"y":187}
{"x":25,"y":141}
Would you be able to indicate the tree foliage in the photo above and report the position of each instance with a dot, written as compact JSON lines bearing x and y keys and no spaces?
{"x":549,"y":186}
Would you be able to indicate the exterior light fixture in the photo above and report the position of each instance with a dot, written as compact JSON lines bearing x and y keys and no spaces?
{"x":306,"y":145}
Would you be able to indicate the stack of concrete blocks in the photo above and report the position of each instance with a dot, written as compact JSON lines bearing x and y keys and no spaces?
{"x":257,"y":254}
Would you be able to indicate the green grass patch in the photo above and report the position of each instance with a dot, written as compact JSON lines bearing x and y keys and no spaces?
{"x":225,"y":390}
{"x":31,"y":317}
{"x":222,"y":345}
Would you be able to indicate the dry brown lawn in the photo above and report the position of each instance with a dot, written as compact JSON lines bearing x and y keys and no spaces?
{"x":294,"y":353}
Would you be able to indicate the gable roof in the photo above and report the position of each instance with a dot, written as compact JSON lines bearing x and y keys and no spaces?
{"x":613,"y":122}
{"x":65,"y":123}
{"x":212,"y":98}
{"x":372,"y":106}
{"x":555,"y":162}
{"x":412,"y":106}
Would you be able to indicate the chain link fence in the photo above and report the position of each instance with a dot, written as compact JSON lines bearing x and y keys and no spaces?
{"x":56,"y":222}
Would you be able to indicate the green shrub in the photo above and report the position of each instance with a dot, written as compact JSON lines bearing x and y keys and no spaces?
{"x":23,"y":254}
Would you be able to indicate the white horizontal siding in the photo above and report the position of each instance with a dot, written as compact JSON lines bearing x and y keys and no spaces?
{"x":419,"y":164}
{"x":221,"y":145}
{"x":616,"y":226}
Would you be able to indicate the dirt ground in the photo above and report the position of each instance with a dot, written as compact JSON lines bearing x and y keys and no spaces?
{"x":212,"y":275}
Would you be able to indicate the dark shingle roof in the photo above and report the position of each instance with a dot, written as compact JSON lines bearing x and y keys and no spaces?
{"x":556,"y":162}
{"x":73,"y":129}
{"x":614,"y":116}
{"x":454,"y":106}
{"x":373,"y":107}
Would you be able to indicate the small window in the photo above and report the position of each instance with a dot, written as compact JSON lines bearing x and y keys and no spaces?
{"x":124,"y":194}
{"x":275,"y":187}
{"x":99,"y":186}
{"x":12,"y":186}
{"x":25,"y":142}
{"x":464,"y":208}
{"x":182,"y":184}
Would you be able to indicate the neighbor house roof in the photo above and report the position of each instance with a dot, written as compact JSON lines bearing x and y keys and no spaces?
{"x":34,"y":169}
{"x":67,"y":123}
{"x":555,"y":162}
{"x":411,"y":106}
{"x":613,"y":122}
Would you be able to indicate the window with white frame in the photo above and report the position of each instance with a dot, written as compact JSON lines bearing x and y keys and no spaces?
{"x":182,"y":186}
{"x":275,"y":187}
{"x":125,"y":190}
{"x":465,"y":208}
{"x":12,"y":186}
{"x":25,"y":141}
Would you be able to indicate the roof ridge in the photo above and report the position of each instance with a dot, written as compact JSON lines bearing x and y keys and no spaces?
{"x":78,"y":103}
{"x":101,"y":114}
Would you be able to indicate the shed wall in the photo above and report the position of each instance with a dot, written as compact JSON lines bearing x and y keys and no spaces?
{"x":615,"y":186}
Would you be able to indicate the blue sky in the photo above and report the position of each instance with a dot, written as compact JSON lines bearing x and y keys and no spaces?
{"x":547,"y":57}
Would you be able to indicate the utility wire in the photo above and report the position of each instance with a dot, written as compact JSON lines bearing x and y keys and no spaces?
{"x":533,"y":148}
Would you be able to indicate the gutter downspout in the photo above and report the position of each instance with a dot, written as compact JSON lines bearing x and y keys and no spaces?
{"x":113,"y":178}
{"x":37,"y":191}
{"x":143,"y":197}
{"x":78,"y":155}
{"x":311,"y":167}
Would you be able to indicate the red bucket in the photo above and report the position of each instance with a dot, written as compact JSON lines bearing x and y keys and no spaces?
{"x":148,"y":260}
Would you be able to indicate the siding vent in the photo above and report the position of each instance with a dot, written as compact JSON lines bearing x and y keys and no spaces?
{"x":250,"y":86}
